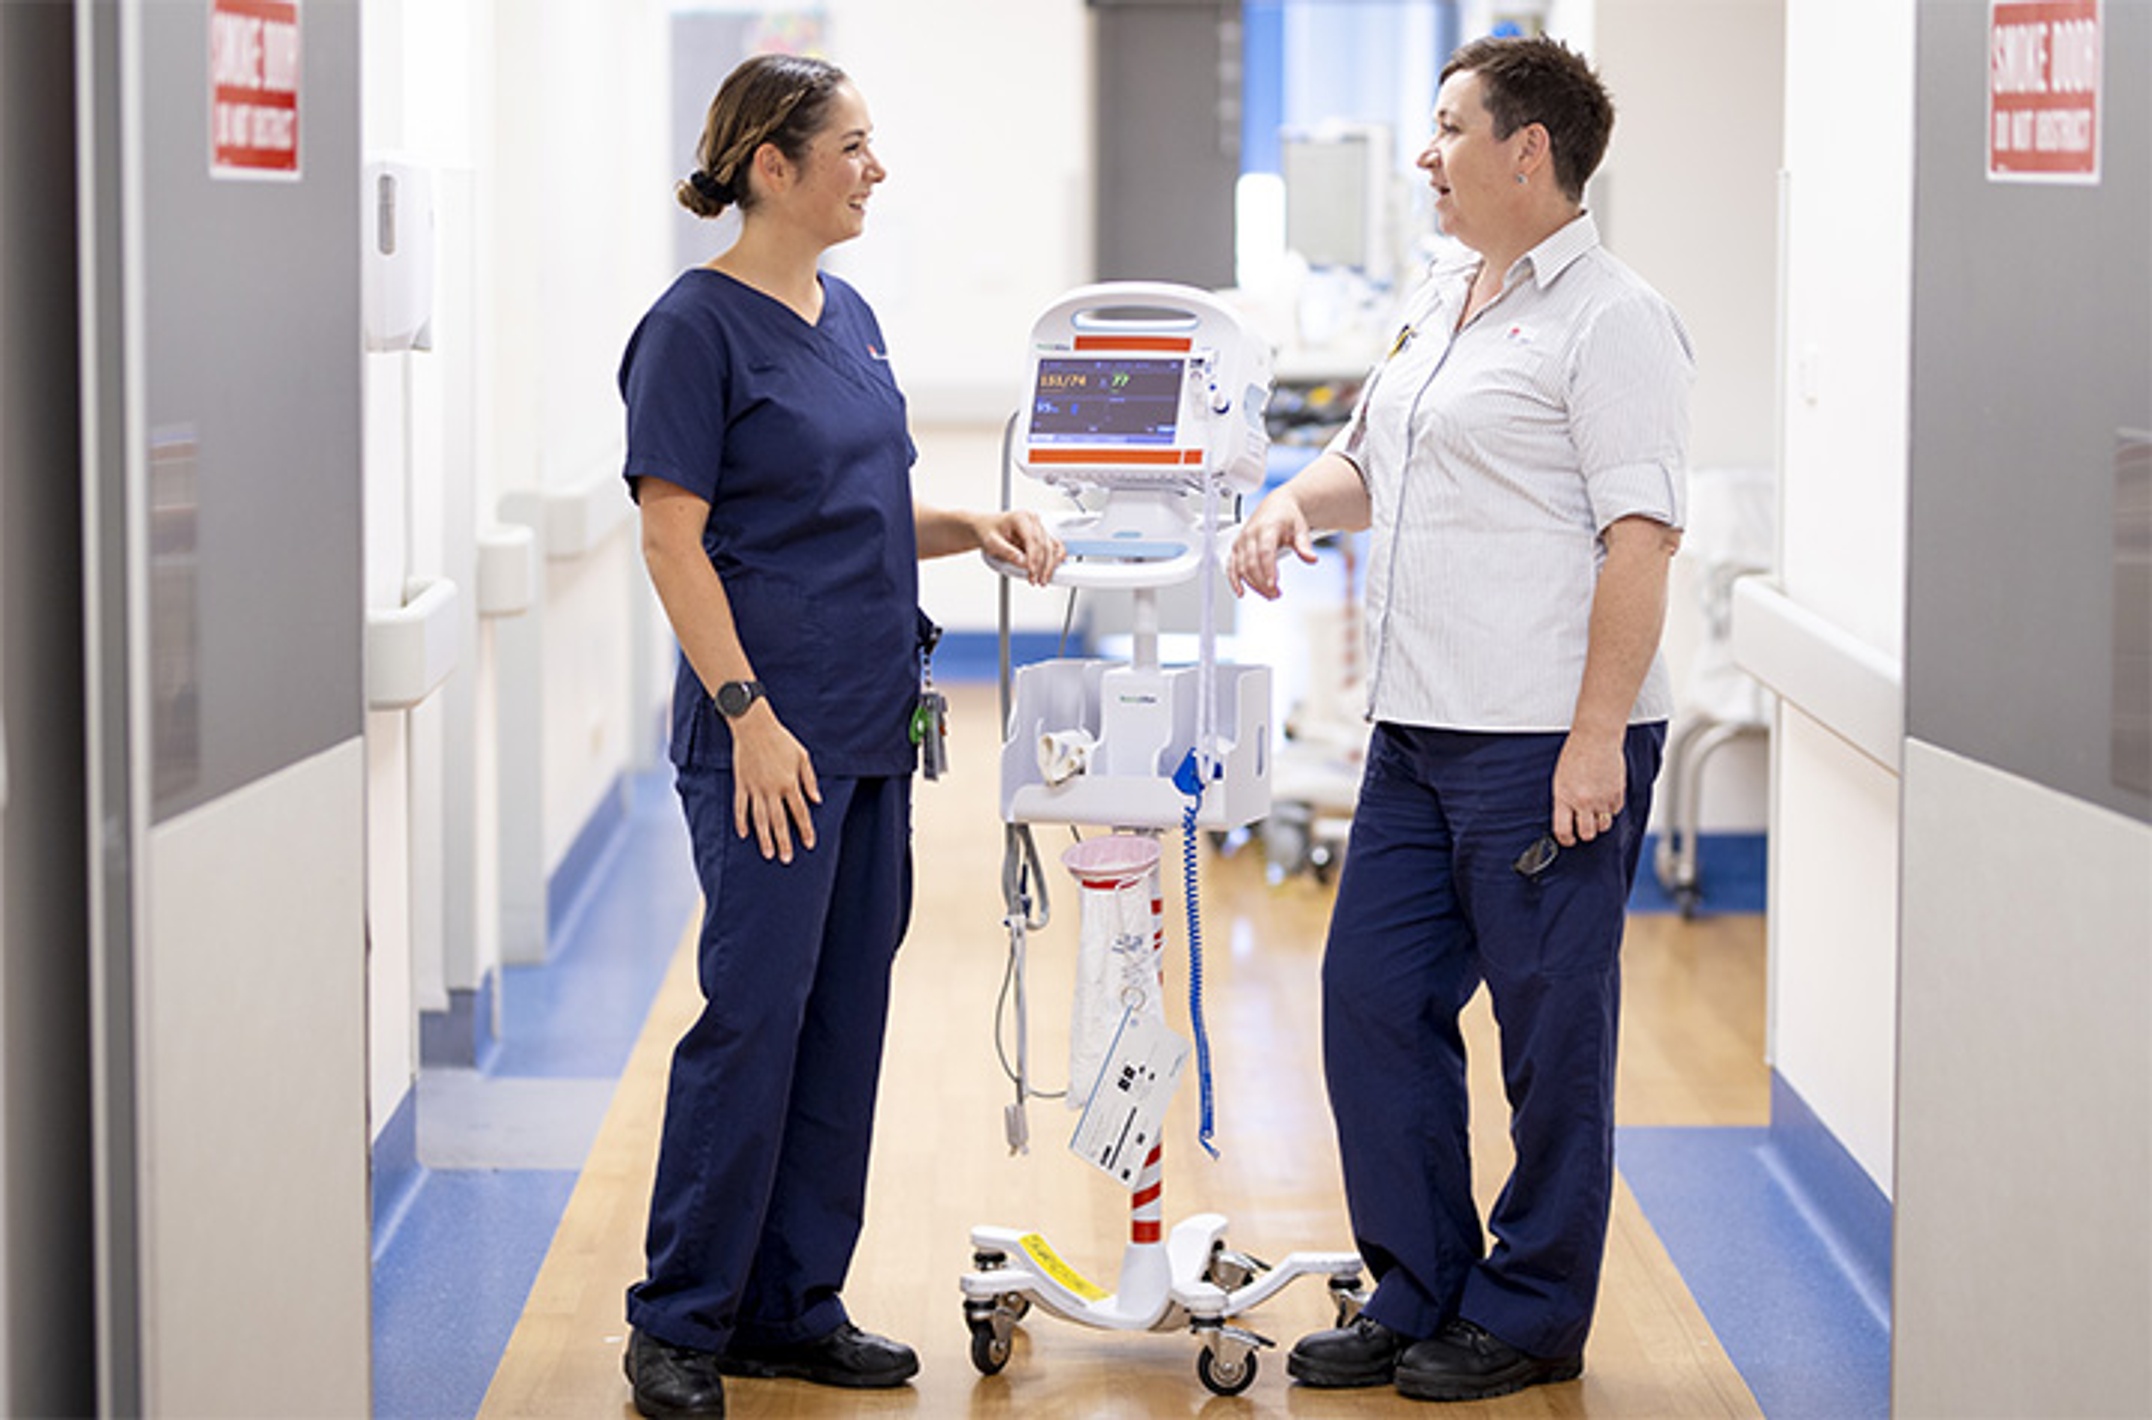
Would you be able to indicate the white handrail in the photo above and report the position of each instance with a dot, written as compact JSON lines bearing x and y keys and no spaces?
{"x":575,"y":518}
{"x":1848,"y":686}
{"x":507,"y":569}
{"x":411,"y":649}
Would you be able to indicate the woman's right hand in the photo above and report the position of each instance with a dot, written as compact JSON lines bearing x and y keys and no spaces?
{"x":1277,"y":524}
{"x":773,"y":783}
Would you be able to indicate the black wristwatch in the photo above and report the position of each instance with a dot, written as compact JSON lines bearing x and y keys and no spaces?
{"x":735,"y":696}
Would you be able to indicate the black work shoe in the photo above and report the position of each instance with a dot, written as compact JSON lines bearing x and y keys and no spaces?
{"x":672,"y":1380}
{"x":1364,"y":1353}
{"x":849,"y":1357}
{"x":1464,"y":1361}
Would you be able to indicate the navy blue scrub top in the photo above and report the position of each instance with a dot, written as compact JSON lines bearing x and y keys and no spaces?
{"x":796,"y":435}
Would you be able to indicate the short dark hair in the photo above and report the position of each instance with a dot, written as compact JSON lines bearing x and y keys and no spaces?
{"x":770,"y":98}
{"x":1543,"y":81}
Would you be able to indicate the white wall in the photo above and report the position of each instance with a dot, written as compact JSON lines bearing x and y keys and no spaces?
{"x":983,"y":117}
{"x":1846,"y":354}
{"x":1692,"y":205}
{"x":580,"y":190}
{"x":538,"y":123}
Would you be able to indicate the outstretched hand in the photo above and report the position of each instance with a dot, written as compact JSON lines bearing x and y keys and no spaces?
{"x":1019,"y":538}
{"x":1277,"y":523}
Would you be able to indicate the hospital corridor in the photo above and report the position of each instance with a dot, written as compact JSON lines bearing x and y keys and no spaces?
{"x":363,"y":812}
{"x":1692,"y":1061}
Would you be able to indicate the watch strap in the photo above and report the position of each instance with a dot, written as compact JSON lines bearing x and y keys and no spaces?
{"x":736,"y":697}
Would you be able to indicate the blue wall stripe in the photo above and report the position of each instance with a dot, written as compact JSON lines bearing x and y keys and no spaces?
{"x":1841,"y":1201}
{"x":974,"y":657}
{"x":1730,"y":871}
{"x":578,"y":867}
{"x":396,"y":1173}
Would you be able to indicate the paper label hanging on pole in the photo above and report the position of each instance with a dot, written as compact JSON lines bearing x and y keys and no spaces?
{"x":1125,"y":1114}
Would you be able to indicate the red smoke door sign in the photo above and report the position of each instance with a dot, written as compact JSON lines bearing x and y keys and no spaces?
{"x":2044,"y":68}
{"x":254,"y":74}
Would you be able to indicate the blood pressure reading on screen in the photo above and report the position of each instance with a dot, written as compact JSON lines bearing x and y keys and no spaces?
{"x":1106,"y":401}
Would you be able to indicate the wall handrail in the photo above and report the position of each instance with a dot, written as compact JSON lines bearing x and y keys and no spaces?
{"x":507,"y":569}
{"x":412,"y":648}
{"x":574,"y":519}
{"x":1848,"y":686}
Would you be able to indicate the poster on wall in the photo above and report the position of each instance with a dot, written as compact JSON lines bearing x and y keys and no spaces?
{"x":254,"y":88}
{"x":2044,"y":75}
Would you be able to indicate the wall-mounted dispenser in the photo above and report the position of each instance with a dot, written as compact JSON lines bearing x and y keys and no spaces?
{"x":398,"y":243}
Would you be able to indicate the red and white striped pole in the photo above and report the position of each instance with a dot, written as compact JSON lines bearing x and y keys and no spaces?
{"x":1146,"y":1209}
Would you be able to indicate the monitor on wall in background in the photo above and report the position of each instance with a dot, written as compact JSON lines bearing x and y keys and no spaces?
{"x":1330,"y":189}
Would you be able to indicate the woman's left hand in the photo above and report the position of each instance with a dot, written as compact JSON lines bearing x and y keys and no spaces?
{"x":1019,"y":538}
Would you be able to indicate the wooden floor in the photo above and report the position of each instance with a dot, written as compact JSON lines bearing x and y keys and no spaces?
{"x":1692,"y":1053}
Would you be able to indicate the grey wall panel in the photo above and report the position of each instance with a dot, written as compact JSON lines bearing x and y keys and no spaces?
{"x":222,"y":469}
{"x":254,"y":413}
{"x":1168,"y":141}
{"x":2025,"y":1064}
{"x":47,"y":1321}
{"x":2024,"y":1100}
{"x":2032,"y":352}
{"x":254,"y":1141}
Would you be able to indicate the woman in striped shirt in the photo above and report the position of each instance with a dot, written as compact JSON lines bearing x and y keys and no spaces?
{"x":1519,"y":457}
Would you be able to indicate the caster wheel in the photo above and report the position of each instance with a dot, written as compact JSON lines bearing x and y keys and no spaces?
{"x":1225,"y":1377}
{"x":989,"y":1353}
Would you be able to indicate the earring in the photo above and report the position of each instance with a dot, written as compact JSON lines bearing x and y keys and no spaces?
{"x":1520,"y":179}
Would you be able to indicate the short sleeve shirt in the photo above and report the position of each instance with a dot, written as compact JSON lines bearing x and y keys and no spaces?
{"x":1494,"y":456}
{"x":796,"y":435}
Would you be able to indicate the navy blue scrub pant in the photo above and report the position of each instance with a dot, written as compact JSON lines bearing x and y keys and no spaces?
{"x":1430,"y":905}
{"x":762,"y":1167}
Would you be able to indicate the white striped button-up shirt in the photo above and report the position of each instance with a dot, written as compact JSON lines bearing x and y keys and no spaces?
{"x":1493,"y":456}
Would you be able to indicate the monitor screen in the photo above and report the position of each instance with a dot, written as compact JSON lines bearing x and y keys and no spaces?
{"x":1114,"y":400}
{"x":1326,"y":197}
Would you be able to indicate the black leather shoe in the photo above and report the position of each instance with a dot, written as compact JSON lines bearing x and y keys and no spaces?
{"x":1364,"y":1353}
{"x":672,"y":1380}
{"x":849,"y":1357}
{"x":1464,"y":1361}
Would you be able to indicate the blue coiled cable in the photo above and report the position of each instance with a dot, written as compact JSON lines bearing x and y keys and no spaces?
{"x":1189,"y":780}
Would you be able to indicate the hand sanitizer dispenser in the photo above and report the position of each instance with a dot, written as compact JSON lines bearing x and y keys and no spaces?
{"x":397,"y":288}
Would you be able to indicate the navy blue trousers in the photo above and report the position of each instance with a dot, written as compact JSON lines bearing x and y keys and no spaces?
{"x":762,"y":1166}
{"x":1431,"y":904}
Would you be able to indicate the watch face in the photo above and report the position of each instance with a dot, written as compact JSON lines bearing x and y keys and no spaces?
{"x":734,"y":696}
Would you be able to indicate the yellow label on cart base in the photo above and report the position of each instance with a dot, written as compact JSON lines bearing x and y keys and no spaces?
{"x":1049,"y":1262}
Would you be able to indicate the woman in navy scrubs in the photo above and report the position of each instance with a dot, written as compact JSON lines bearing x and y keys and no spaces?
{"x":768,"y":450}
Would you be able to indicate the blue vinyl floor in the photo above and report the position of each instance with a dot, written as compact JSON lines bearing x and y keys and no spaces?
{"x":457,"y":1261}
{"x":1800,"y":1312}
